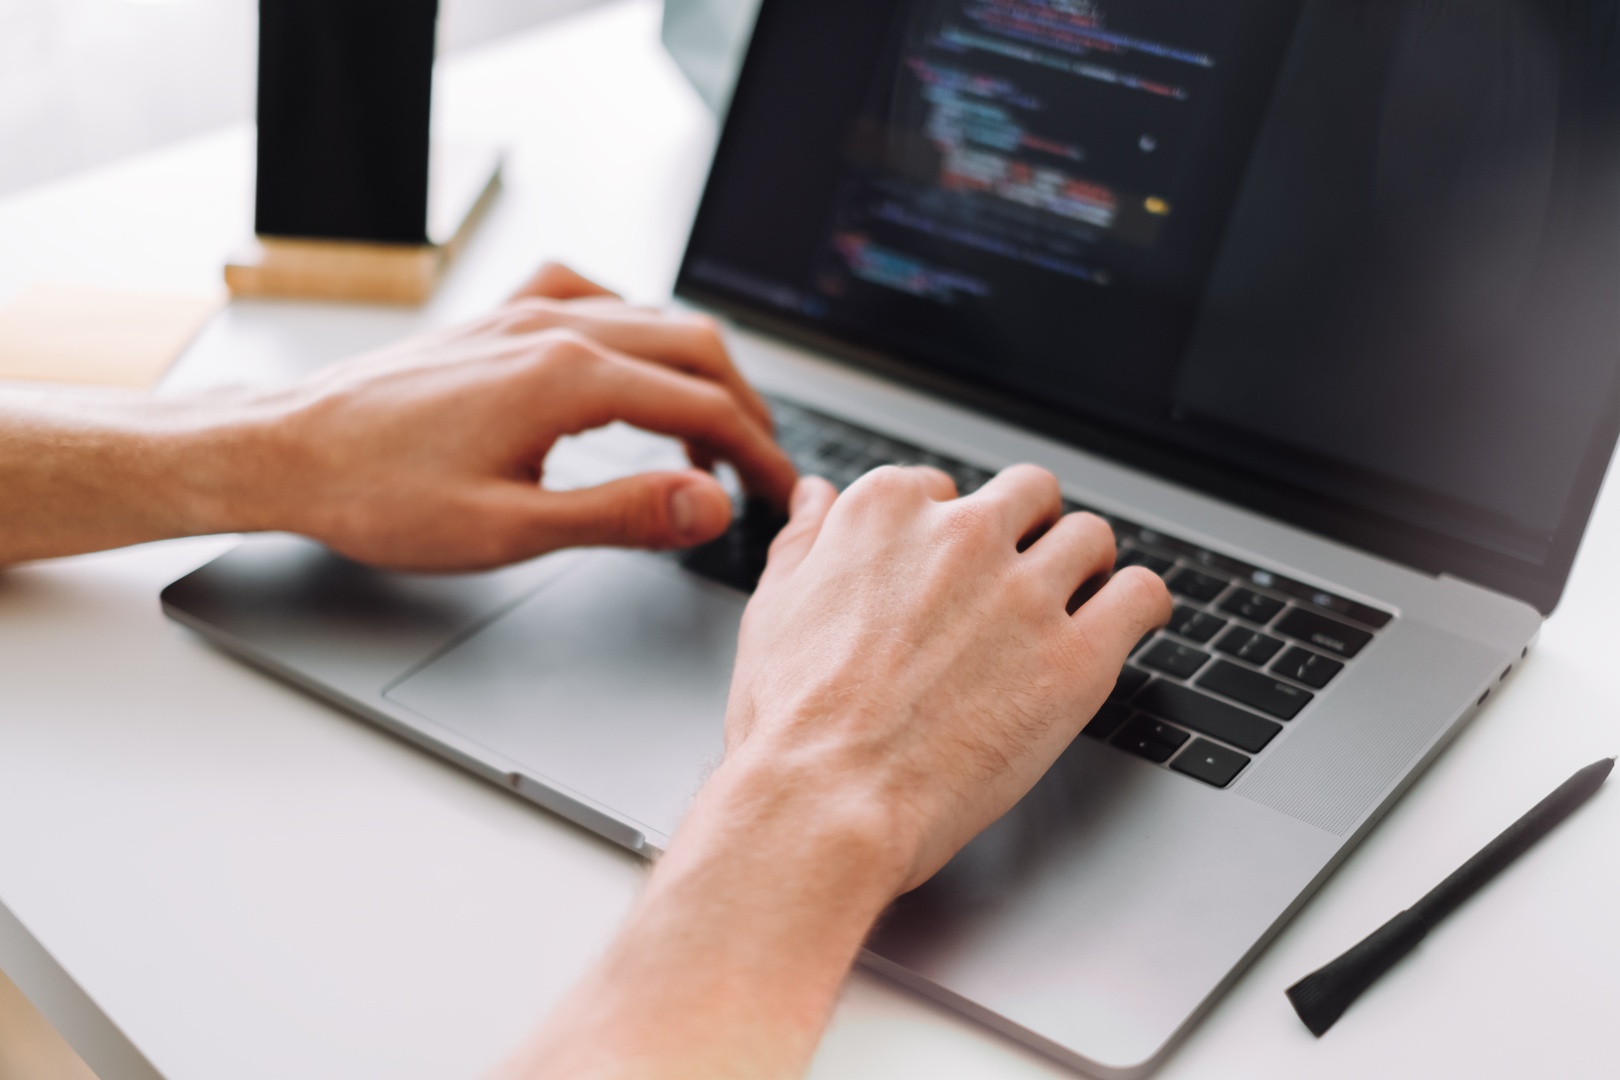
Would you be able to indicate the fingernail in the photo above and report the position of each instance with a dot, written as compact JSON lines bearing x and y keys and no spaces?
{"x":684,"y":508}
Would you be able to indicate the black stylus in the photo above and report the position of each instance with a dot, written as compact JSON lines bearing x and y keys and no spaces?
{"x":1321,"y":997}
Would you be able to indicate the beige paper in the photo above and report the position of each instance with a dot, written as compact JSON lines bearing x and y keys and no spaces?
{"x":107,"y":337}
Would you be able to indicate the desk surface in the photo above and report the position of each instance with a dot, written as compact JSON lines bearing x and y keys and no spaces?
{"x":246,"y":883}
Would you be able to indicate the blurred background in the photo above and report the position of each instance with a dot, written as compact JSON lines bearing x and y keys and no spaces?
{"x":86,"y":81}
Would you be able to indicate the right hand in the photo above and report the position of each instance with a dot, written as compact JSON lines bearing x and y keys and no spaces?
{"x":909,"y":655}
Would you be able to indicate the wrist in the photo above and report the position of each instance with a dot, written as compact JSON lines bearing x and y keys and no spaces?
{"x":224,"y":462}
{"x":824,"y":834}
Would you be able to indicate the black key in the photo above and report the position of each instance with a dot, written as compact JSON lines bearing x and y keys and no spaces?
{"x":1370,"y":616}
{"x":1312,"y":595}
{"x":1107,"y":720}
{"x":1137,"y":557}
{"x":1148,"y":738}
{"x":1208,"y":716}
{"x":737,"y":556}
{"x":1333,"y":636}
{"x":1195,"y":625}
{"x":1256,"y":690}
{"x":1256,"y":607}
{"x":1250,"y":645}
{"x":1197,"y":585}
{"x":1129,"y":682}
{"x":1178,"y":660}
{"x":1221,"y":564}
{"x":1154,"y":538}
{"x":1210,"y":763}
{"x":1307,"y":667}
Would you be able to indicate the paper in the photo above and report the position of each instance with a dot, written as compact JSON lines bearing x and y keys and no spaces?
{"x":106,"y":337}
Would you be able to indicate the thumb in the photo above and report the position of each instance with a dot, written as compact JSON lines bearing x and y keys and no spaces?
{"x":649,"y":510}
{"x":812,"y":498}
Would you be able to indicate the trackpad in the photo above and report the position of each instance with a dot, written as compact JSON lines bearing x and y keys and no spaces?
{"x":610,"y":681}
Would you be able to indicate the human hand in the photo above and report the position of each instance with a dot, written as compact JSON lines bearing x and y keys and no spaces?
{"x":427,"y":455}
{"x":910,"y":655}
{"x":907,"y":670}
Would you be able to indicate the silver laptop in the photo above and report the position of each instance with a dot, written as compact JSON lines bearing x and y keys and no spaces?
{"x":1318,"y":303}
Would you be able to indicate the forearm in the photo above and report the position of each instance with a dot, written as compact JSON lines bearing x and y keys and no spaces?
{"x":81,"y":474}
{"x":731,"y":961}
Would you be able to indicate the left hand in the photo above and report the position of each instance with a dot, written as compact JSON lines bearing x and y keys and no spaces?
{"x":428,"y":455}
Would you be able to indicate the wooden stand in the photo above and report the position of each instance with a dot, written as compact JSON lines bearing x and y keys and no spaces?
{"x":462,"y":182}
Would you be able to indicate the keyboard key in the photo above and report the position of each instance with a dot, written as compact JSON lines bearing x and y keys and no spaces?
{"x":1250,"y":645}
{"x":1207,"y":715}
{"x":1154,"y":538}
{"x":1172,"y":659}
{"x":1137,"y":557}
{"x":1197,"y":585}
{"x":737,"y":556}
{"x":1312,"y":595}
{"x":1195,"y":625}
{"x":1256,"y":607}
{"x":1210,"y":763}
{"x":1129,"y":682}
{"x":1307,"y":667}
{"x":1146,"y":737}
{"x":1107,"y":720}
{"x":1327,"y":634}
{"x":1222,"y":565}
{"x":1256,"y":690}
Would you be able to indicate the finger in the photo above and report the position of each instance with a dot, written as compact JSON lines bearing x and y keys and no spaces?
{"x":701,"y":412}
{"x":555,"y":281}
{"x":812,"y":498}
{"x":1133,"y":602}
{"x":1027,"y":501}
{"x":687,"y":342}
{"x":936,"y":482}
{"x":1076,"y":549}
{"x":651,"y":510}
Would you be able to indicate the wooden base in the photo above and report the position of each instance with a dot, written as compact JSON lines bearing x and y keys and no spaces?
{"x":461,"y":185}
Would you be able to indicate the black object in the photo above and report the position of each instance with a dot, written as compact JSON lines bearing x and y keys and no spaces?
{"x":345,"y":92}
{"x":1129,"y":682}
{"x":1307,"y":667}
{"x":1256,"y":690}
{"x":1107,"y":720}
{"x":1172,"y":659}
{"x":1197,"y":586}
{"x":1321,"y":997}
{"x":1248,"y":604}
{"x":1149,"y":738}
{"x":1208,"y":716}
{"x":1335,"y":637}
{"x":1156,"y":563}
{"x":1250,"y":645}
{"x":1194,"y":625}
{"x":1213,"y":764}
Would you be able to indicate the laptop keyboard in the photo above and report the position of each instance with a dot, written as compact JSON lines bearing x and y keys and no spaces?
{"x":1244,"y":655}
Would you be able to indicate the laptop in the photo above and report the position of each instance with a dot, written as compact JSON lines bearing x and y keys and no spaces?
{"x":1318,"y":303}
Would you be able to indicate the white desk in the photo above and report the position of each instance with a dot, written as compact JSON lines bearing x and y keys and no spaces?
{"x":204,"y":868}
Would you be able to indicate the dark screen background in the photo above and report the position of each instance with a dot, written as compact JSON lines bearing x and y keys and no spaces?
{"x":1365,"y":249}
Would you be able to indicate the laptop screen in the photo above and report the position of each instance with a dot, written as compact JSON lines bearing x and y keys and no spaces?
{"x":1354,"y":263}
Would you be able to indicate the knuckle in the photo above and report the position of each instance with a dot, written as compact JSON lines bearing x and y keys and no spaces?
{"x":884,"y":483}
{"x":971,"y":522}
{"x":717,"y":406}
{"x":1095,"y":530}
{"x":1145,"y":594}
{"x":567,"y":350}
